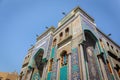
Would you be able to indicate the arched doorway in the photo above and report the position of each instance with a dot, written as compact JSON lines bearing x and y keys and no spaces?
{"x":64,"y":58}
{"x":90,"y":55}
{"x":38,"y":65}
{"x":64,"y":65}
{"x":38,"y":61}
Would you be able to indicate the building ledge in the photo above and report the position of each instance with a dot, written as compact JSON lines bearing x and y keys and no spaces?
{"x":64,"y":40}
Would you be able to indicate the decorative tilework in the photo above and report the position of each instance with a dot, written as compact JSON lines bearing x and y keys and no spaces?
{"x":55,"y":63}
{"x":90,"y":59}
{"x":49,"y":48}
{"x":63,"y":73}
{"x":54,"y":71}
{"x":52,"y":52}
{"x":75,"y":71}
{"x":87,"y":25}
{"x":92,"y":67}
{"x":49,"y":76}
{"x":109,"y":75}
{"x":90,"y":54}
{"x":36,"y":76}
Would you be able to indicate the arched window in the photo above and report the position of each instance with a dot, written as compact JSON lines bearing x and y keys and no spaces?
{"x":111,"y":46}
{"x":112,"y":55}
{"x":66,"y":31}
{"x":117,"y":68}
{"x":50,"y":65}
{"x":21,"y":75}
{"x":61,"y":35}
{"x":109,"y":66}
{"x":38,"y":61}
{"x":101,"y":43}
{"x":64,"y":58}
{"x":54,"y":42}
{"x":107,"y":44}
{"x":117,"y":51}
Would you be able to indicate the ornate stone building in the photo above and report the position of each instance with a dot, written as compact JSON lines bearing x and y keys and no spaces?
{"x":9,"y":76}
{"x":24,"y":69}
{"x":75,"y":50}
{"x":36,"y":61}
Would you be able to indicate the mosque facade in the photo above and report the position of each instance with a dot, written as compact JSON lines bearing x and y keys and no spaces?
{"x":75,"y":50}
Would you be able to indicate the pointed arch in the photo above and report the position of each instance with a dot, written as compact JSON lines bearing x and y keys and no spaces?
{"x":91,"y":50}
{"x":91,"y":34}
{"x":64,"y":58}
{"x":39,"y":52}
{"x":32,"y":64}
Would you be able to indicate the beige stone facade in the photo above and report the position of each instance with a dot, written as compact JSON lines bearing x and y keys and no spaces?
{"x":8,"y":76}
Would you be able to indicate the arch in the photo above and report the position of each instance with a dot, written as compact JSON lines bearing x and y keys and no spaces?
{"x":60,"y":36}
{"x":40,"y":51}
{"x":63,"y":52}
{"x":107,"y":44}
{"x":91,"y":48}
{"x":101,"y":43}
{"x":54,"y":42}
{"x":64,"y":58}
{"x":63,"y":65}
{"x":37,"y":63}
{"x":67,"y":31}
{"x":91,"y":34}
{"x":32,"y":64}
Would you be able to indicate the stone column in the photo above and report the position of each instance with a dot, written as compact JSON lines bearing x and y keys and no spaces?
{"x":83,"y":63}
{"x":58,"y":69}
{"x":26,"y":73}
{"x":102,"y":68}
{"x":69,"y":66}
{"x":44,"y":72}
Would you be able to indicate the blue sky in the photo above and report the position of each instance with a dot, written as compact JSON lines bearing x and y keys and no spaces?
{"x":21,"y":20}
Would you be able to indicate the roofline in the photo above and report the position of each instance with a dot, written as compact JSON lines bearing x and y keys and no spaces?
{"x":84,"y":13}
{"x":75,"y":10}
{"x":108,"y":38}
{"x":31,"y":48}
{"x":52,"y":28}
